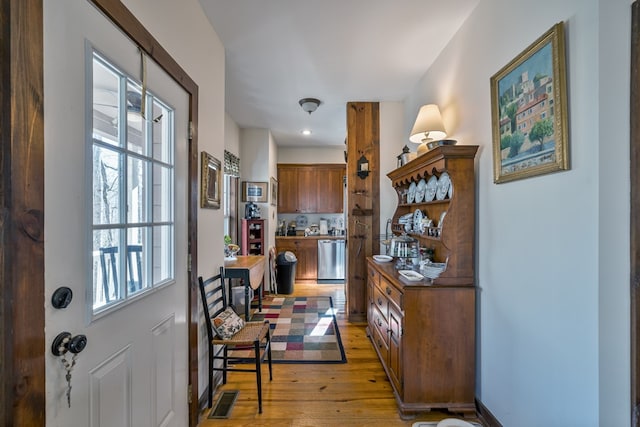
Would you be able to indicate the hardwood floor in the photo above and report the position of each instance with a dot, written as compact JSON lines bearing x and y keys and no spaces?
{"x":356,"y":393}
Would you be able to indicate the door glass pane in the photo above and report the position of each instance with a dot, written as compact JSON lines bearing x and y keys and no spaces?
{"x":136,"y":125}
{"x":161,"y":121}
{"x":106,"y":267}
{"x":106,"y":185}
{"x":106,"y":104}
{"x":162,"y":254}
{"x":137,"y":183}
{"x":137,"y":242}
{"x":162,"y":200}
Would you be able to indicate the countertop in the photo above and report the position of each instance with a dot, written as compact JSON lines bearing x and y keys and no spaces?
{"x":320,"y":237}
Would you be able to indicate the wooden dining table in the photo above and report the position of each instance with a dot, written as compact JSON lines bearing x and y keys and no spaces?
{"x":250,"y":270}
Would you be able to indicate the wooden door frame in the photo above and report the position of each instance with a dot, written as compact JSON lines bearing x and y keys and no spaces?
{"x":22,"y":394}
{"x":22,"y":367}
{"x":634,"y":154}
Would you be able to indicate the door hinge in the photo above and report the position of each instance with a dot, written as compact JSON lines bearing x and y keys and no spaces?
{"x":191,"y":130}
{"x":189,"y":393}
{"x":189,"y":262}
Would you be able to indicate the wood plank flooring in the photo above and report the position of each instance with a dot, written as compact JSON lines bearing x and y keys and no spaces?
{"x":356,"y":393}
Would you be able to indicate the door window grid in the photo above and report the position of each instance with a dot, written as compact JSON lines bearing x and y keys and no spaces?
{"x":133,"y":189}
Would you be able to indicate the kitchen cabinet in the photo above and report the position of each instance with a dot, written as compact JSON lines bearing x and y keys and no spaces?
{"x":330,"y":189}
{"x":310,"y":188}
{"x":287,"y":190}
{"x":306,"y":251}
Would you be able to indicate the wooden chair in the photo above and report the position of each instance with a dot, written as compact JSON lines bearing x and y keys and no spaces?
{"x":252,"y":334}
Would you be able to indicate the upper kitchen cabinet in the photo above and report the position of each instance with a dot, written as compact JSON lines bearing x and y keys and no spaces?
{"x":311,"y":188}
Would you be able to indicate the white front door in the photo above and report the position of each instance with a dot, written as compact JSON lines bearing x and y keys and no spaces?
{"x":114,"y":192}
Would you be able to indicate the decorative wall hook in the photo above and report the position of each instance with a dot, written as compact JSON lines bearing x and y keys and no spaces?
{"x":363,"y":167}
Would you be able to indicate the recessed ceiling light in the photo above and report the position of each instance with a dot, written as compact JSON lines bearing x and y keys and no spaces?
{"x":306,"y":132}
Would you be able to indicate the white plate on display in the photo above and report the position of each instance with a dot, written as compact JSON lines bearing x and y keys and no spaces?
{"x":417,"y":221}
{"x":420,"y":190}
{"x":411,"y":275}
{"x":444,"y":183}
{"x":382,"y":258}
{"x":412,"y":193}
{"x":432,"y":186}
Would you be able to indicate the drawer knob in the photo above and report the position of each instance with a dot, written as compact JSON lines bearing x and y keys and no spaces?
{"x":379,"y":301}
{"x":388,"y":290}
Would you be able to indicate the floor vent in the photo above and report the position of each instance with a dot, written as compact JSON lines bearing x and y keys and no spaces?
{"x":224,"y":404}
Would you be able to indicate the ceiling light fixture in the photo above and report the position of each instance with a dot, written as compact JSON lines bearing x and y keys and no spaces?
{"x":306,"y":132}
{"x":309,"y":104}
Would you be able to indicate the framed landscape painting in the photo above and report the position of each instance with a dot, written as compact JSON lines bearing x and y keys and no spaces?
{"x":529,"y":111}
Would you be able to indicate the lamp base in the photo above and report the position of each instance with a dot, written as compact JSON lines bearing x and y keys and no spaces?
{"x":422,"y":148}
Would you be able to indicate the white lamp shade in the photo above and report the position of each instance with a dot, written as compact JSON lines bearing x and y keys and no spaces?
{"x":428,"y":125}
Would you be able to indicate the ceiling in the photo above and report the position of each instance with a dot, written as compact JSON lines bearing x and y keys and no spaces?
{"x":279,"y":51}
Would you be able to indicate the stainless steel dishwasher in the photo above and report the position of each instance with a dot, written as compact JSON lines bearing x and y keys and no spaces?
{"x":331,"y":260}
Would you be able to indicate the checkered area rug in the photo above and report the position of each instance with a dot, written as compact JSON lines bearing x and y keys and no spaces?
{"x":303,"y":330}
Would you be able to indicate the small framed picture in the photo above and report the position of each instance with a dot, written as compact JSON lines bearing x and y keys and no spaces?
{"x":255,"y":192}
{"x":211,"y":181}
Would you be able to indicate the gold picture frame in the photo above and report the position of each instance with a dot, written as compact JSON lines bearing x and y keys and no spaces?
{"x":529,"y":111}
{"x":211,"y":181}
{"x":255,"y":192}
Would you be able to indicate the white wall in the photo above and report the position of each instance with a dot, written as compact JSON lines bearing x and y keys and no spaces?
{"x":258,"y":152}
{"x":393,"y":137}
{"x":333,"y":154}
{"x":614,"y":45}
{"x":552,"y":251}
{"x":203,"y":60}
{"x":231,"y":135}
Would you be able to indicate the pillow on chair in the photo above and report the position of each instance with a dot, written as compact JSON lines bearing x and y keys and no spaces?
{"x":227,"y":323}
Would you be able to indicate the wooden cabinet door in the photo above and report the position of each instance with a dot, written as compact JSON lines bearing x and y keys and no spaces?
{"x":307,"y":268}
{"x":330,"y":189}
{"x":395,"y":348}
{"x":287,"y":190}
{"x":307,"y":190}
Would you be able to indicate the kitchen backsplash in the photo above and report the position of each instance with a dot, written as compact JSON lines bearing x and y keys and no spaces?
{"x":305,"y":220}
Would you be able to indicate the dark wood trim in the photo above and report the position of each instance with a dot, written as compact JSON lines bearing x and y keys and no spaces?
{"x":129,"y":24}
{"x":22,"y":218}
{"x":485,"y":416}
{"x":363,"y":138}
{"x":6,"y":320}
{"x":635,"y":214}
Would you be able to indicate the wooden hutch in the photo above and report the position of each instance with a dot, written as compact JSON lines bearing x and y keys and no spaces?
{"x":424,"y":331}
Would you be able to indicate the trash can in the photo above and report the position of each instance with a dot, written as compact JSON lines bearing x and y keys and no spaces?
{"x":286,"y":272}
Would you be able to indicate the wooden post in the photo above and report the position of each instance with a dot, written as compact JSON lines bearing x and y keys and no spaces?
{"x":363,"y":194}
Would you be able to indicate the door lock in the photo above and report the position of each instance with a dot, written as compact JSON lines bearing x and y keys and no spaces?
{"x":61,"y":297}
{"x":66,"y":342}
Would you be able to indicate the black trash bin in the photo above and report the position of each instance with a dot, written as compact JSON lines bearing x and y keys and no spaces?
{"x":286,"y":271}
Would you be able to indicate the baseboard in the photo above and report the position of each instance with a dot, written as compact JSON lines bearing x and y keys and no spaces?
{"x":487,"y":418}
